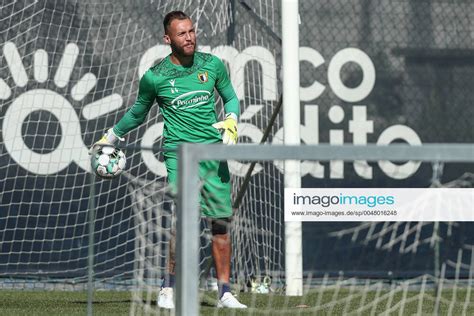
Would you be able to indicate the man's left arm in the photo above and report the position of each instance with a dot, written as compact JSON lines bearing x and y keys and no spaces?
{"x":231,"y":105}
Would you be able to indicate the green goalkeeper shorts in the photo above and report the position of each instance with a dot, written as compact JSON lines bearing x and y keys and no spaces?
{"x":215,"y":185}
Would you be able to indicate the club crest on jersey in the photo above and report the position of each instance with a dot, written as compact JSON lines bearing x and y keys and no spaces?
{"x":202,"y":76}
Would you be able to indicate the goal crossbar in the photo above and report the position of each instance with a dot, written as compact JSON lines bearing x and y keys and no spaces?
{"x":187,"y":278}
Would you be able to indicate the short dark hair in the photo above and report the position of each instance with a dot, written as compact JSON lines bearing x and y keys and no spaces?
{"x":173,"y":15}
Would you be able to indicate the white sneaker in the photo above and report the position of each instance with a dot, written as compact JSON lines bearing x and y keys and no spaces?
{"x":228,"y":300}
{"x":165,"y":298}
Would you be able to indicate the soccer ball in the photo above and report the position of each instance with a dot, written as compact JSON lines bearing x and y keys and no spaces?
{"x":108,"y":162}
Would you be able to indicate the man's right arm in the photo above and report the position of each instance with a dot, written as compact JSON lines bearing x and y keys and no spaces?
{"x":136,"y":115}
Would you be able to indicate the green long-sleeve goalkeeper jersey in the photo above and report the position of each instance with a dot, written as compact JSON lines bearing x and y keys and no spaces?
{"x":186,"y":99}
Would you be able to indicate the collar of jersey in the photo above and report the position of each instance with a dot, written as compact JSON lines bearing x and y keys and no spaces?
{"x":179,"y":67}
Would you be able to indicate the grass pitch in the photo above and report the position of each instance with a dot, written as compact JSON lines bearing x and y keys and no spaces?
{"x":327,"y":302}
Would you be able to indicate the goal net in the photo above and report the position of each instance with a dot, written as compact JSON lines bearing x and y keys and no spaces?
{"x":401,"y":255}
{"x":70,"y":70}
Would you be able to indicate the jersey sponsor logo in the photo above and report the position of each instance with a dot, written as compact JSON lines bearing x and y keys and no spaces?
{"x":202,"y":76}
{"x":173,"y":89}
{"x":191,"y":99}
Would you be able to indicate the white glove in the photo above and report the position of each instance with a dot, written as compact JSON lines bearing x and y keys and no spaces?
{"x":229,"y":126}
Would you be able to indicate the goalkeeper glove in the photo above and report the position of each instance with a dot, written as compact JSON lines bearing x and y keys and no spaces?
{"x":229,"y":125}
{"x":108,"y":139}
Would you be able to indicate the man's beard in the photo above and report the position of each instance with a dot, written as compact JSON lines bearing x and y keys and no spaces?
{"x":180,"y":50}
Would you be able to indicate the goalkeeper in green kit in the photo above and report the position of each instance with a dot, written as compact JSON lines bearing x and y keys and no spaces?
{"x":183,"y":85}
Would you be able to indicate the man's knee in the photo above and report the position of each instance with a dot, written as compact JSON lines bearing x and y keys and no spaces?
{"x":220,"y":226}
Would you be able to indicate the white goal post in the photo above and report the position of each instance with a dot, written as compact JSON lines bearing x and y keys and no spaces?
{"x":187,"y":299}
{"x":291,"y":127}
